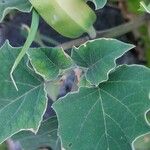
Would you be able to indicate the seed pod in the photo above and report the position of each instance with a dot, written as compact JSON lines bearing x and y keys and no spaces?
{"x":71,"y":18}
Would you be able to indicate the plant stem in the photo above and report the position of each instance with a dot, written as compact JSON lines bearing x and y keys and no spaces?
{"x":109,"y":33}
{"x":49,"y":40}
{"x":27,"y":44}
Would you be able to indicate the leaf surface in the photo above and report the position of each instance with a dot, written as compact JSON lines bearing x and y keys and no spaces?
{"x":7,"y":5}
{"x":48,"y":62}
{"x":107,"y":117}
{"x":98,"y":57}
{"x":45,"y":137}
{"x":23,"y":109}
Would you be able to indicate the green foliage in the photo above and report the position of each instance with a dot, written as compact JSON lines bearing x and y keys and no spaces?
{"x":98,"y":57}
{"x":49,"y":62}
{"x":45,"y":137}
{"x":108,"y":112}
{"x":134,"y":6}
{"x":93,"y":114}
{"x":146,"y":40}
{"x":22,"y":110}
{"x":7,"y":5}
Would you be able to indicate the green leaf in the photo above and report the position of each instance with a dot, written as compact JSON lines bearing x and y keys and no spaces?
{"x":45,"y":137}
{"x":99,"y":3}
{"x":98,"y":57}
{"x":108,"y":117}
{"x":7,"y":5}
{"x":133,"y":6}
{"x":23,"y":109}
{"x":53,"y":89}
{"x":48,"y":62}
{"x":144,"y":7}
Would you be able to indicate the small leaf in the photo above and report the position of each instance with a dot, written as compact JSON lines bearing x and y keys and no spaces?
{"x":98,"y":57}
{"x":107,"y":117}
{"x":7,"y":5}
{"x":23,"y":109}
{"x":53,"y":89}
{"x":45,"y":137}
{"x":48,"y":62}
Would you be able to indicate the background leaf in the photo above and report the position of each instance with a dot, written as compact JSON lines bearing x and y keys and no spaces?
{"x":23,"y":109}
{"x":7,"y":5}
{"x":133,"y":6}
{"x":48,"y":62}
{"x":98,"y":57}
{"x":45,"y":137}
{"x":110,"y":116}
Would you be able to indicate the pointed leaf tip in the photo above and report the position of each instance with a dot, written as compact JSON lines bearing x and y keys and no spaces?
{"x":98,"y":57}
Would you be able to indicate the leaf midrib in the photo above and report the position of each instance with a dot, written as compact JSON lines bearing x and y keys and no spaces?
{"x":18,"y":98}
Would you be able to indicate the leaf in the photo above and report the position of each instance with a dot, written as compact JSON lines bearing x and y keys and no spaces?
{"x":23,"y":109}
{"x":98,"y":57}
{"x":99,"y":3}
{"x":48,"y":62}
{"x":45,"y":137}
{"x":133,"y":6}
{"x":144,"y":7}
{"x":7,"y":5}
{"x":107,"y":117}
{"x":53,"y":89}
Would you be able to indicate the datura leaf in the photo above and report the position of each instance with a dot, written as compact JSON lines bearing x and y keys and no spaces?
{"x":144,"y":7}
{"x":71,"y":18}
{"x":7,"y":5}
{"x":22,"y":109}
{"x":99,"y":3}
{"x":108,"y":117}
{"x":45,"y":137}
{"x":48,"y":62}
{"x":98,"y":57}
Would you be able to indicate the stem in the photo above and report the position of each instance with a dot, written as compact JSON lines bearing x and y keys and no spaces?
{"x":49,"y":40}
{"x":92,"y":32}
{"x":30,"y":39}
{"x":109,"y":33}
